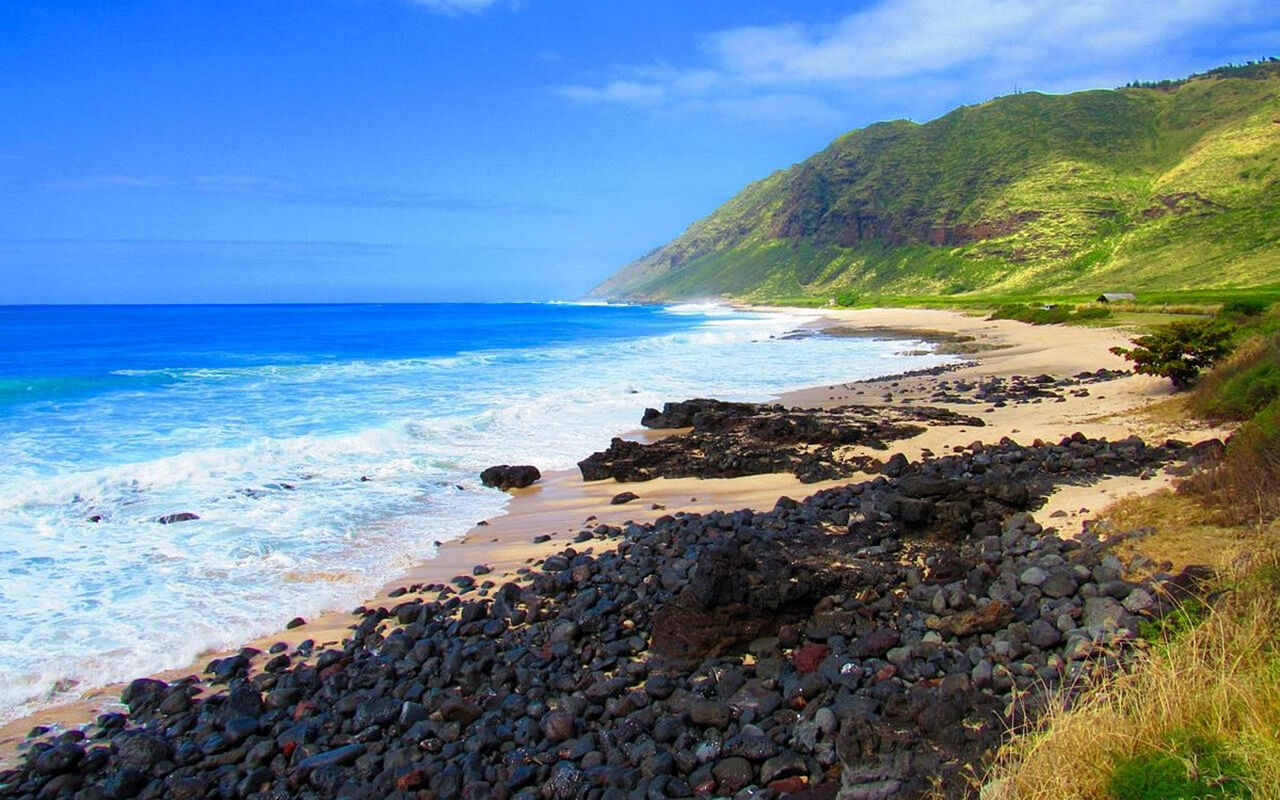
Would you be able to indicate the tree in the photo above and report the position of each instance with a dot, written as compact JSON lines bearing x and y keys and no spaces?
{"x":1178,"y":351}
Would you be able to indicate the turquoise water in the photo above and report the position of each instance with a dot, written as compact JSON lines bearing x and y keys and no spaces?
{"x":324,"y":448}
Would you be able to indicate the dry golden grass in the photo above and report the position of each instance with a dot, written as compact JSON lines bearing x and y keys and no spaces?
{"x":1171,"y":410}
{"x":1217,"y":682}
{"x":1184,"y":531}
{"x":1245,"y":485}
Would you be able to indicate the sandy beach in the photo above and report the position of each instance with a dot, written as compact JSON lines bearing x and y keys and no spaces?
{"x":561,"y":505}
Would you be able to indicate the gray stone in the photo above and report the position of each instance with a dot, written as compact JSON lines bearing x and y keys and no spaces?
{"x":710,"y":713}
{"x":899,"y":656}
{"x":565,"y":782}
{"x":142,"y":751}
{"x":1138,"y":601}
{"x":558,"y":725}
{"x":1060,"y":583}
{"x":1043,"y":634}
{"x":751,"y":747}
{"x":1033,"y":576}
{"x":826,"y":720}
{"x":340,"y":756}
{"x":733,"y":773}
{"x":1102,"y":613}
{"x":981,"y":674}
{"x":781,"y":766}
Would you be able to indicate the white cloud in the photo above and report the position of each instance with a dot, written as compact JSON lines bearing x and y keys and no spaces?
{"x":255,"y":185}
{"x":96,"y":182}
{"x":916,"y":46}
{"x":917,"y":37}
{"x":627,"y":92}
{"x":455,"y":8}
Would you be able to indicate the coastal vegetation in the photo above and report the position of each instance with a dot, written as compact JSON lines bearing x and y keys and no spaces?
{"x":1196,"y":715}
{"x":1052,"y":314}
{"x":1178,"y":351}
{"x":1165,"y":189}
{"x":889,"y":635}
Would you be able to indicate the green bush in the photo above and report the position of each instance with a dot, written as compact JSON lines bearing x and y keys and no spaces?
{"x":1178,"y":351}
{"x":1093,"y":312}
{"x":1184,"y":618}
{"x":1039,"y":315}
{"x":1242,"y":385}
{"x":1248,"y":393}
{"x":1244,"y":307}
{"x":1033,"y":314}
{"x":1194,"y":770}
{"x":847,"y":298}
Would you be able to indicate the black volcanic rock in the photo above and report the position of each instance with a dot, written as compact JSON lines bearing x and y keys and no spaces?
{"x":872,"y":636}
{"x":506,"y":477}
{"x":181,"y":516}
{"x":730,"y":440}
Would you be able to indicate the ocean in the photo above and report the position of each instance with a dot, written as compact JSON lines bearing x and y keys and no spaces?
{"x":324,"y":449}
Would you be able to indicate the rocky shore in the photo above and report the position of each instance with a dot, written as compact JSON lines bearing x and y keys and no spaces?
{"x":873,"y":640}
{"x":729,"y":440}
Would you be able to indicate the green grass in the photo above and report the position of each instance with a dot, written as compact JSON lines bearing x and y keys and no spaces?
{"x":1191,"y":768}
{"x":1053,"y":314}
{"x":1168,"y":628}
{"x":1248,"y":393}
{"x":1168,"y":192}
{"x":1196,"y":716}
{"x":1248,"y":381}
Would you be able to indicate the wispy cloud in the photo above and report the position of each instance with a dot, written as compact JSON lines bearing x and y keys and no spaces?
{"x":456,"y":8}
{"x":280,"y":190}
{"x":227,"y":247}
{"x":107,"y":182}
{"x":803,"y":71}
{"x":628,"y":92}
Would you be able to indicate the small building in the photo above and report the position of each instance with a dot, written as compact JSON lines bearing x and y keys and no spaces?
{"x":1113,"y":297}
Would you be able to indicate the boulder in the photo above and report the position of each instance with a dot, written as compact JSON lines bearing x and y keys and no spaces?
{"x":181,"y":516}
{"x":507,"y":477}
{"x":984,"y":619}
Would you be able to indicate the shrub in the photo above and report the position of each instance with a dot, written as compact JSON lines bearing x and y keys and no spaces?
{"x":1250,"y":392}
{"x":1244,"y":307}
{"x":1093,"y":312}
{"x":1194,"y":770}
{"x":847,"y":298}
{"x":1178,"y":351}
{"x":1039,"y":315}
{"x":1242,"y":385}
{"x":1246,"y":482}
{"x":1033,"y":314}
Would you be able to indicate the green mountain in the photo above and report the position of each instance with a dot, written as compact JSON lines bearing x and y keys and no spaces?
{"x":1159,"y":186}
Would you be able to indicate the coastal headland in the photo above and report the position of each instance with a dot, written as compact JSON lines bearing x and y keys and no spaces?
{"x":866,"y":627}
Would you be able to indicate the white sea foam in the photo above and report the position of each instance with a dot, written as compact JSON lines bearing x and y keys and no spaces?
{"x":315,"y":483}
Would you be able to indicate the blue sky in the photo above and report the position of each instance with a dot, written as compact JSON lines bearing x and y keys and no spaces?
{"x":419,"y":150}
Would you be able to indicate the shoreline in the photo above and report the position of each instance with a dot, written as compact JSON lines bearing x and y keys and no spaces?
{"x":561,"y":504}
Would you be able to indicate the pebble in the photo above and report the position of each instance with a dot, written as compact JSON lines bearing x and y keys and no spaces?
{"x":728,"y":653}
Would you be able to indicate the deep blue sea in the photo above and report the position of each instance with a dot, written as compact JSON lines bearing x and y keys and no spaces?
{"x":323,"y":447}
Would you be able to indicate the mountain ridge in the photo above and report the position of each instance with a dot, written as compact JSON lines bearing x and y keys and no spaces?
{"x":1167,"y":185}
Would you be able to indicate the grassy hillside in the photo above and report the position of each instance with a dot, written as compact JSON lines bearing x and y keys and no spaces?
{"x":1142,"y":188}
